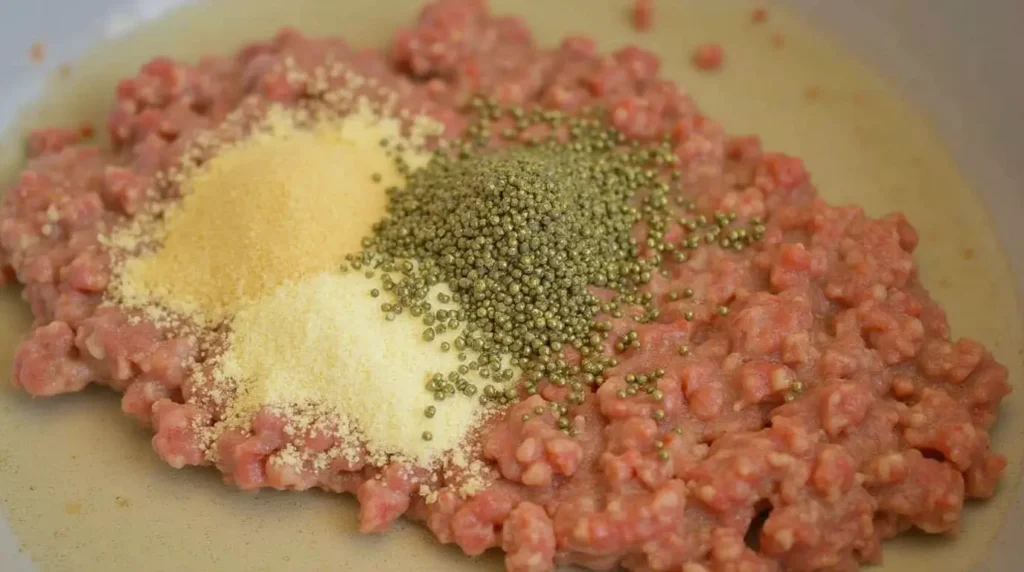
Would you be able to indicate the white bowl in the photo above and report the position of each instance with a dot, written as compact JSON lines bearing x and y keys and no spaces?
{"x":957,"y":61}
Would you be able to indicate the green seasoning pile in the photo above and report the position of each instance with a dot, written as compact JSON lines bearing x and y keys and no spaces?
{"x":521,"y":234}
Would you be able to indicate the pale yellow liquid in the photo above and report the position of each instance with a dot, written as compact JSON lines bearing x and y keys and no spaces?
{"x":84,"y":491}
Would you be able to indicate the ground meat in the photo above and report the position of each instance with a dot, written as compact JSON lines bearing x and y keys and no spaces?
{"x":709,"y":57}
{"x":643,"y":14}
{"x":826,"y":409}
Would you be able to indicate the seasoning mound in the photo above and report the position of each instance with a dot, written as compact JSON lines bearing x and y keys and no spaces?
{"x":257,"y":243}
{"x":319,"y":349}
{"x":285,"y":202}
{"x":523,"y":234}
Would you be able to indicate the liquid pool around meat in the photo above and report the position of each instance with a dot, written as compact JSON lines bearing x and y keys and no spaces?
{"x":83,"y":489}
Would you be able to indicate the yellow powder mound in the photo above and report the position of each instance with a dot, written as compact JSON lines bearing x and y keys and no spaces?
{"x":321,"y":346}
{"x":284,"y":203}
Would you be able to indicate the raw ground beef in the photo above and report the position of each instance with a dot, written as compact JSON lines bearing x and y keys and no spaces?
{"x":828,"y":410}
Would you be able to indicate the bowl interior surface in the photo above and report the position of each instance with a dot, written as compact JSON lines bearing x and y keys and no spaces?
{"x":950,"y":159}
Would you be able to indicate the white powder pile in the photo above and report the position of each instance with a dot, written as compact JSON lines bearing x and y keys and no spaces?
{"x":321,"y":347}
